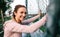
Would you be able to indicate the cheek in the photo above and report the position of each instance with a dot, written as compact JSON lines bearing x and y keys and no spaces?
{"x":19,"y":14}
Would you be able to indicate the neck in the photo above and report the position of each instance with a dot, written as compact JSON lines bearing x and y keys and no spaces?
{"x":18,"y":21}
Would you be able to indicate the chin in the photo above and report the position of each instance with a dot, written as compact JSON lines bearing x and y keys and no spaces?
{"x":21,"y":19}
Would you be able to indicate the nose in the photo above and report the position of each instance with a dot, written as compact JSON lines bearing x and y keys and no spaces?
{"x":24,"y":14}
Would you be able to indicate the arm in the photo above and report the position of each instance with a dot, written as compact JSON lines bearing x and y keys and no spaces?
{"x":31,"y":28}
{"x":31,"y":19}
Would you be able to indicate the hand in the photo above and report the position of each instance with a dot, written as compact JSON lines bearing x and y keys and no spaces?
{"x":40,"y":13}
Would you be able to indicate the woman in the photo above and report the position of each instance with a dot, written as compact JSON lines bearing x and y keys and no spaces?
{"x":14,"y":27}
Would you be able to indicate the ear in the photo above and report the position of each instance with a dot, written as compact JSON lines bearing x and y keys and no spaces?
{"x":15,"y":13}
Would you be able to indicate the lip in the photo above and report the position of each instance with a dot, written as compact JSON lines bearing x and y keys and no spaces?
{"x":22,"y":18}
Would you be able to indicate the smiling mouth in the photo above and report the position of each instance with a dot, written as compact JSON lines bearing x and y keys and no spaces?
{"x":22,"y":17}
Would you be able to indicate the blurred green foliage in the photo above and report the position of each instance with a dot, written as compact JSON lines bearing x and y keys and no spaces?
{"x":1,"y":25}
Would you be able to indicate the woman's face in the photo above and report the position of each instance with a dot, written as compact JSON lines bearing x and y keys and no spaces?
{"x":20,"y":14}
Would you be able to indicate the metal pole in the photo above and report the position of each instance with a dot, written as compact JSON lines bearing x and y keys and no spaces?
{"x":27,"y":6}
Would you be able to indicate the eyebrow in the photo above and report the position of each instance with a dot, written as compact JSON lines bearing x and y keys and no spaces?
{"x":24,"y":12}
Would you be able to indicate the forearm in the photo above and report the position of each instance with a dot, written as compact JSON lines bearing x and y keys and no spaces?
{"x":32,"y":19}
{"x":38,"y":24}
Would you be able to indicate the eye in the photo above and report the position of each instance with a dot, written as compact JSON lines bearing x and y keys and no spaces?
{"x":21,"y":12}
{"x":25,"y":12}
